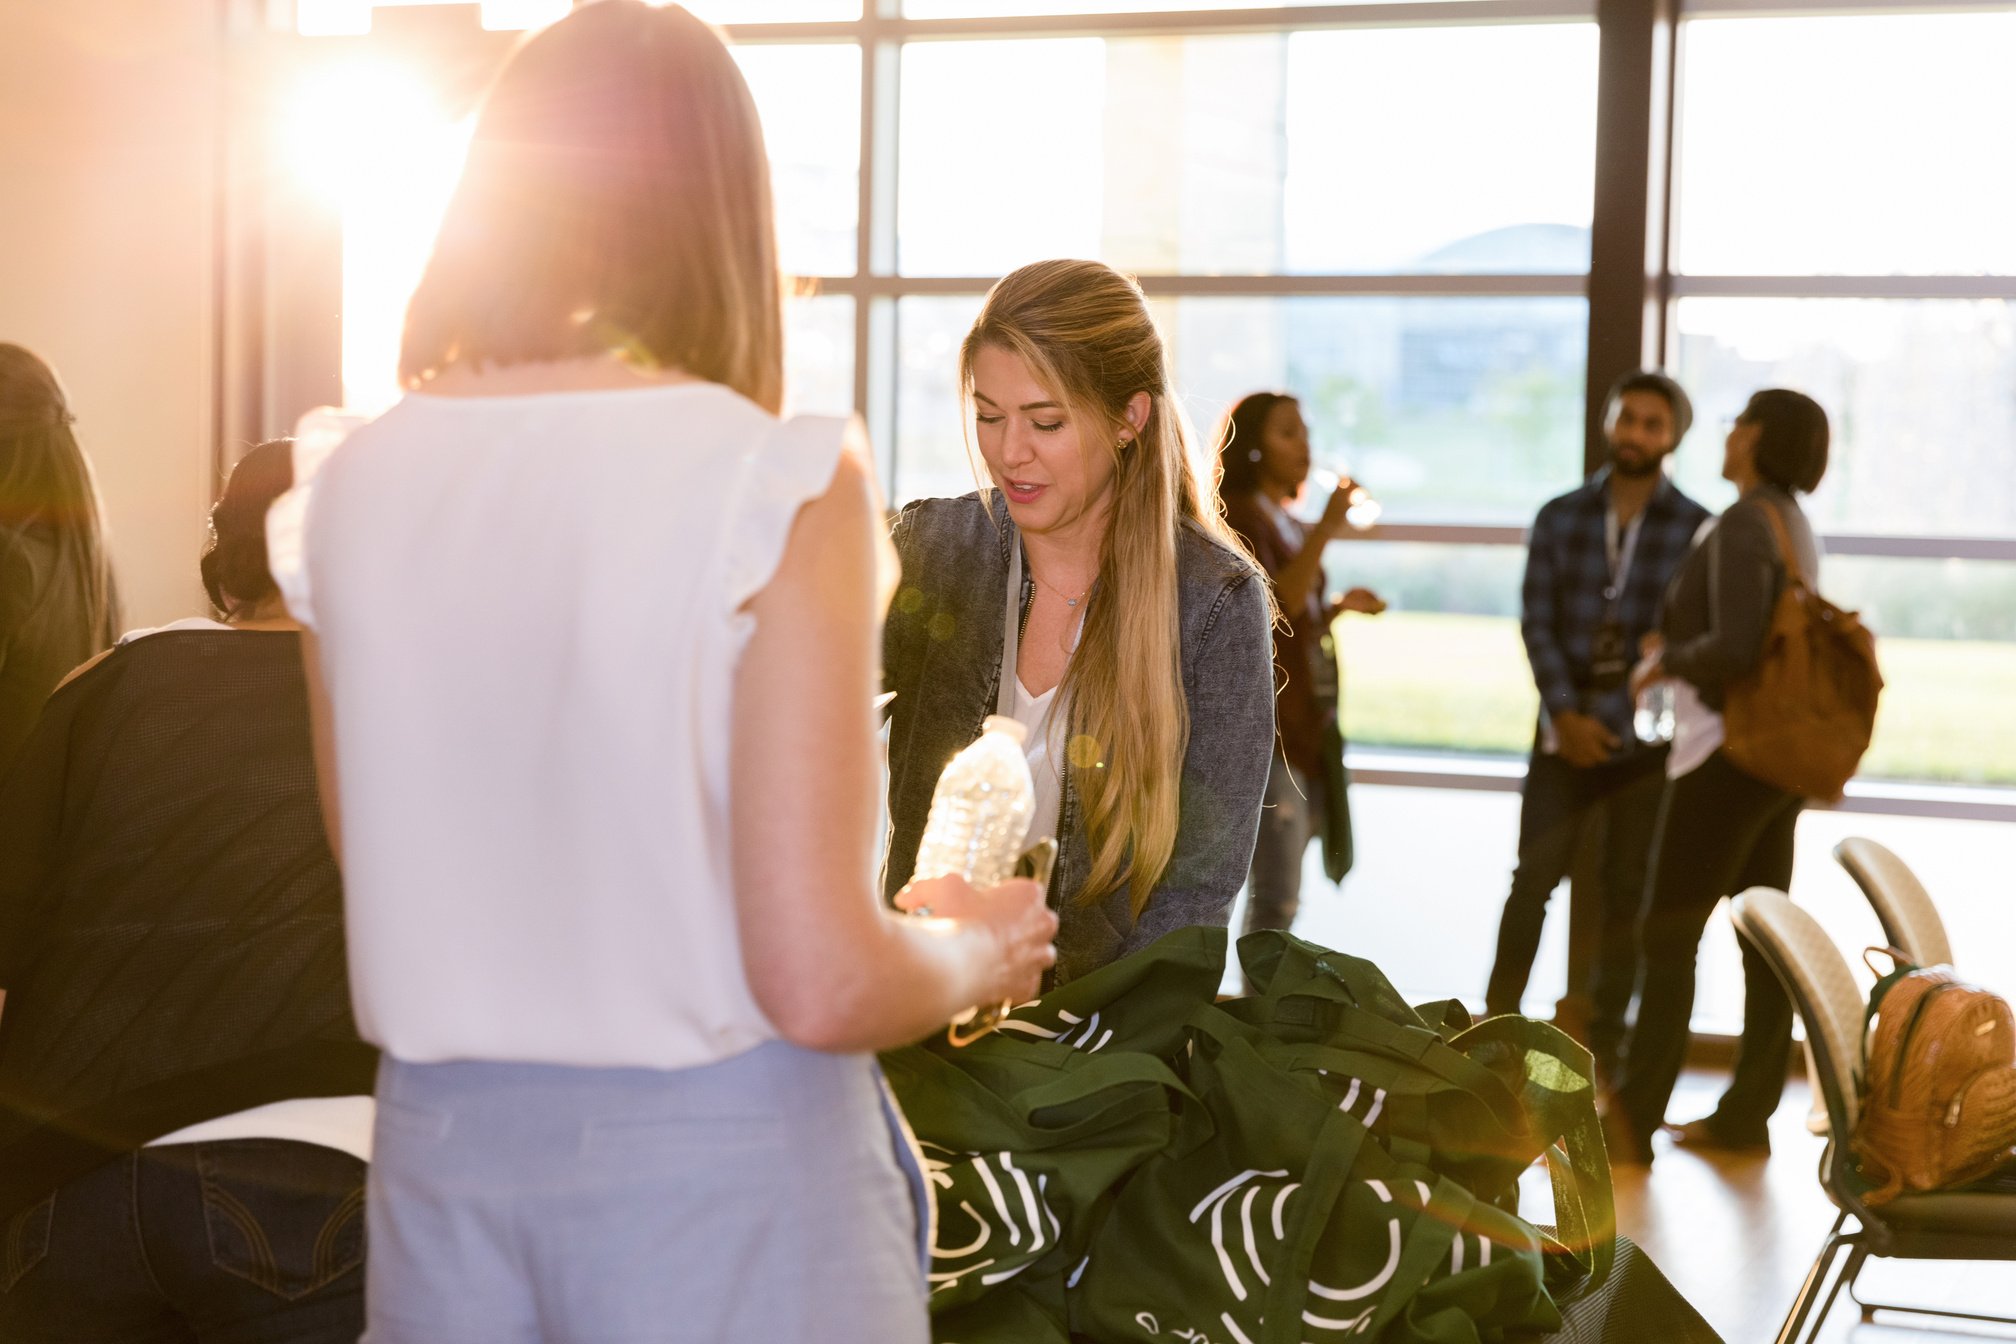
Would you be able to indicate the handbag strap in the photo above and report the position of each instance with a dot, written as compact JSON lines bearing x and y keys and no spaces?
{"x":1794,"y":575}
{"x":1578,"y":1166}
{"x":1336,"y":1152}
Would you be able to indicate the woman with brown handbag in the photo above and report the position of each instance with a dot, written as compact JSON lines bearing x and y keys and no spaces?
{"x":1721,"y":830}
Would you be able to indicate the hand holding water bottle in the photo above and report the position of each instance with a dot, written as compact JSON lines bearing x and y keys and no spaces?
{"x":977,"y":827}
{"x":1653,"y":708}
{"x":1014,"y":913}
{"x":1350,"y":506}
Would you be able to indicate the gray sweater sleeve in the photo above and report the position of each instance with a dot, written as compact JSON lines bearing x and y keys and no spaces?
{"x":1745,"y":575}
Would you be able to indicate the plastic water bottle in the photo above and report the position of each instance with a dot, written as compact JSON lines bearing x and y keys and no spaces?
{"x":1321,"y":483}
{"x":981,"y":808}
{"x":1653,"y":719}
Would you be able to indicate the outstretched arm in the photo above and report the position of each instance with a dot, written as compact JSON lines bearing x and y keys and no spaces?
{"x":828,"y":964}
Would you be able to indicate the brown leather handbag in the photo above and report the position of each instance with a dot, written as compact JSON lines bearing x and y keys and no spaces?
{"x":1804,"y":717}
{"x":1939,"y":1082}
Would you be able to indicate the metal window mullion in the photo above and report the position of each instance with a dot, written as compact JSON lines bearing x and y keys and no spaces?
{"x":1920,"y":547}
{"x":875,"y":232}
{"x":1175,"y":22}
{"x":884,"y":285}
{"x":1844,"y":286}
{"x":1763,"y":9}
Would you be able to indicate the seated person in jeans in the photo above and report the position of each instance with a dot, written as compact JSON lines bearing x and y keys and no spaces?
{"x":184,"y":1102}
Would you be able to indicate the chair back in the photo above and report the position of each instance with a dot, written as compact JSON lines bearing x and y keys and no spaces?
{"x":1821,"y":987}
{"x":1909,"y":919}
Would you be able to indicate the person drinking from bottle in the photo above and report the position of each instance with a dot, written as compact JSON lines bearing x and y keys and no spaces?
{"x":1597,"y":564}
{"x":1263,"y":456}
{"x":593,"y":645}
{"x":1089,"y":590}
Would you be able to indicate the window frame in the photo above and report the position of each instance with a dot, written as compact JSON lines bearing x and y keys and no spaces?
{"x":1631,"y":287}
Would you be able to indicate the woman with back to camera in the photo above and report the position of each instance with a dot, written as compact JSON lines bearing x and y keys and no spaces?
{"x":1089,"y":591}
{"x":57,"y":606}
{"x":596,"y":647}
{"x":1721,"y":830}
{"x":184,"y":1103}
{"x":1263,"y":455}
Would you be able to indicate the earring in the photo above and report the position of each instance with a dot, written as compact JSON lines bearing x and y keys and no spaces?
{"x":1252,"y":454}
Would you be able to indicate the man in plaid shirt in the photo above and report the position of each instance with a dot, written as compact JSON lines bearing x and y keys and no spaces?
{"x":1597,"y":565}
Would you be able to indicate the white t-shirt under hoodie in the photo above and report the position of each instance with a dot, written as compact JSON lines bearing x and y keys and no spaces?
{"x":527,"y":608}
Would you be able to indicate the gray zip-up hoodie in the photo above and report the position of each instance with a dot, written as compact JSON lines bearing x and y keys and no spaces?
{"x":942,"y":656}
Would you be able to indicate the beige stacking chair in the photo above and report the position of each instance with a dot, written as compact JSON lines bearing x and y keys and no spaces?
{"x":1955,"y":1225}
{"x":1909,"y":919}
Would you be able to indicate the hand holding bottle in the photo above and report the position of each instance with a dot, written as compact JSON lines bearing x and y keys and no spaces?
{"x":1021,"y":925}
{"x":1350,"y":505}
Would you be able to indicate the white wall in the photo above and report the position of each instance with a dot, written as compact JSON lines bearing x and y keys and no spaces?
{"x":107,"y":128}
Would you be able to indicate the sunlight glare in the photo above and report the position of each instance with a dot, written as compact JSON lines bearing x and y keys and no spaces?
{"x":371,"y":139}
{"x":352,"y":18}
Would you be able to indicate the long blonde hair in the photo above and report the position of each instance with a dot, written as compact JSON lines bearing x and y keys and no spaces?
{"x":616,"y":199}
{"x":1084,"y":332}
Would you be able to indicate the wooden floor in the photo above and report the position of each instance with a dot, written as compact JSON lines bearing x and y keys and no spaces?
{"x":1737,"y":1235}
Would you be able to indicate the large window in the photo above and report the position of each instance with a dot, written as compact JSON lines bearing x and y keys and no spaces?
{"x":1390,"y":216}
{"x":1856,"y":249}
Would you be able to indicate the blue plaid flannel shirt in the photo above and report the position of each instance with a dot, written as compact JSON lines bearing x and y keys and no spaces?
{"x":1562,"y":602}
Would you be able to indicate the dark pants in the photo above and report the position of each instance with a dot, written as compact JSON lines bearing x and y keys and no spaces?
{"x":1558,"y":799}
{"x":250,"y":1241}
{"x":1721,"y":832}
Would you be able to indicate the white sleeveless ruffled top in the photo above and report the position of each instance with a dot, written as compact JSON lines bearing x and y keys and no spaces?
{"x":527,"y":612}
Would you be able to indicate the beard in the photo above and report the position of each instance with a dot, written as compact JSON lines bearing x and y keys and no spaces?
{"x":1635,"y":468}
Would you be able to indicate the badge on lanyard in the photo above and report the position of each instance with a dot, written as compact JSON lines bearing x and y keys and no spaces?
{"x":1610,"y":652}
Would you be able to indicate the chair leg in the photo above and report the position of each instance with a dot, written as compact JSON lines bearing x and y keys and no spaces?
{"x":1853,"y":1272}
{"x":1802,"y":1305}
{"x":1869,"y":1310}
{"x":1850,"y":1272}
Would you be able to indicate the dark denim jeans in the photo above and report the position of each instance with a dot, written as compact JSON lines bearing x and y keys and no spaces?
{"x":250,"y":1241}
{"x":1558,"y":799}
{"x":1721,"y":832}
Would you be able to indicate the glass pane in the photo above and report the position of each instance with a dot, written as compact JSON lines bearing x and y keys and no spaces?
{"x":1450,"y":410}
{"x":1295,"y":152}
{"x":810,"y":101}
{"x":1790,"y":166}
{"x":1950,"y":857}
{"x":962,"y":9}
{"x":774,"y":11}
{"x":351,"y":18}
{"x":1443,"y":668}
{"x":819,"y":355}
{"x":1946,"y":632}
{"x":931,"y":437}
{"x":1921,"y":396}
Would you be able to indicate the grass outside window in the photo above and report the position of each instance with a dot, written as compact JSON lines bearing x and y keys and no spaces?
{"x":1461,"y":683}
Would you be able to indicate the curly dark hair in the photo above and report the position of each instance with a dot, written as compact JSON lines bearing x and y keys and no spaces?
{"x":1239,"y":437}
{"x":235,"y":573}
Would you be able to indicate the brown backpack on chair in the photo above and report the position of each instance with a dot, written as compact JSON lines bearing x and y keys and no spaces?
{"x":1938,"y":1082}
{"x":1803,"y":719}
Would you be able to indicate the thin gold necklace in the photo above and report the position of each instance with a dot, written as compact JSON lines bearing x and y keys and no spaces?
{"x":1068,"y":600}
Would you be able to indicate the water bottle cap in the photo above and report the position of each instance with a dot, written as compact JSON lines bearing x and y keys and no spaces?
{"x":1013,"y":728}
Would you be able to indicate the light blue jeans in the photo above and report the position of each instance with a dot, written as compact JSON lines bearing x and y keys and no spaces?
{"x":771,"y":1196}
